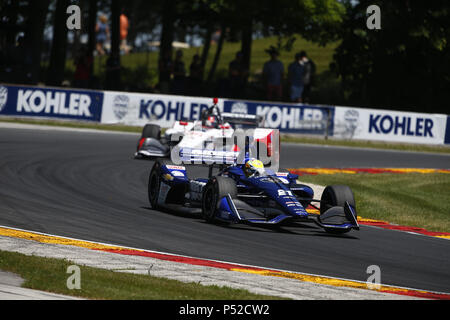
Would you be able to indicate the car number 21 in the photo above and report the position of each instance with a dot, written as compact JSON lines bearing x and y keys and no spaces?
{"x":282,"y":192}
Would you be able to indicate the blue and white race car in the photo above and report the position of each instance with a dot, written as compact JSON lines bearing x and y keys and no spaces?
{"x":249,"y":193}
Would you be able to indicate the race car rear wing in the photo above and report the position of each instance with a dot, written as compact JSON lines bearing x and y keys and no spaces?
{"x":253,"y":120}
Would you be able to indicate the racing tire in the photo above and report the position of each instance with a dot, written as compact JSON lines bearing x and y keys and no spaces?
{"x":151,"y":131}
{"x":216,"y":188}
{"x":336,"y":196}
{"x":154,"y":182}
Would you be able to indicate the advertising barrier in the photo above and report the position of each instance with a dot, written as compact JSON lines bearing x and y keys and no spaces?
{"x":387,"y":125}
{"x":140,"y":108}
{"x":303,"y":119}
{"x":50,"y":103}
{"x":447,"y":131}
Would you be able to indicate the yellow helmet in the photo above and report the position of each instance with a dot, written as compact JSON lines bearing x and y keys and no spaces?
{"x":253,"y":166}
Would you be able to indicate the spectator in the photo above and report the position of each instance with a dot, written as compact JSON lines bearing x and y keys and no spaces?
{"x":82,"y":69}
{"x":165,"y":67}
{"x":295,"y":79}
{"x":16,"y":62}
{"x":102,"y":34}
{"x":308,"y":76}
{"x":195,"y":76}
{"x":124,"y":25}
{"x":237,"y":74}
{"x":273,"y":76}
{"x":179,"y":73}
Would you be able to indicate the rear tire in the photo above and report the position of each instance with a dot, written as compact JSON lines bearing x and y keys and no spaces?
{"x":151,"y":131}
{"x":216,"y":188}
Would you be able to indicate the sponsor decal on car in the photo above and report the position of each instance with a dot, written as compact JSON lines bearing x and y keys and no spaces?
{"x":172,"y":167}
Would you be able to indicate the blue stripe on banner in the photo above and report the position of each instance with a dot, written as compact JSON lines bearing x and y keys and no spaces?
{"x":447,"y":131}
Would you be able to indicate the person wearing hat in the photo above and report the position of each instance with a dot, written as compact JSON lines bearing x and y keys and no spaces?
{"x":308,"y":75}
{"x":273,"y":71}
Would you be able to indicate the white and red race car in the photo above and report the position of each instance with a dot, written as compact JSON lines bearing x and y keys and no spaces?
{"x":216,"y":136}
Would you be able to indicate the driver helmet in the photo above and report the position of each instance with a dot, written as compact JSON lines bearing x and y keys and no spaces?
{"x":253,"y":166}
{"x":211,"y":121}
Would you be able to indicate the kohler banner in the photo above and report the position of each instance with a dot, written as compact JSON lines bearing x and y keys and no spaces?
{"x":139,"y":109}
{"x":62,"y":103}
{"x":295,"y":118}
{"x":387,"y":125}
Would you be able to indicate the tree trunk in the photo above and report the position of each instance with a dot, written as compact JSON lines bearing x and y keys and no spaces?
{"x":206,"y":46}
{"x":55,"y":72}
{"x":35,"y":37}
{"x":167,"y":33}
{"x":246,"y":43}
{"x":92,"y":21}
{"x":113,"y":81}
{"x":115,"y":27}
{"x":217,"y":55}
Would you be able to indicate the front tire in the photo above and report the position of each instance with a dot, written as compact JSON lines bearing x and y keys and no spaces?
{"x":216,"y":188}
{"x":336,"y":196}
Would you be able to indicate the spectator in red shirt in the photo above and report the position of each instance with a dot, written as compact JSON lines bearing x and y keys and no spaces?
{"x":124,"y":25}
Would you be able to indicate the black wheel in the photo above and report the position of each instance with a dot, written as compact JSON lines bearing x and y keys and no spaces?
{"x":154,"y":181}
{"x":216,"y":188}
{"x":151,"y":131}
{"x":336,"y":195}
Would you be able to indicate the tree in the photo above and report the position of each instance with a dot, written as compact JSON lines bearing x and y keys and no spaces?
{"x":402,"y":66}
{"x":55,"y":72}
{"x":34,"y":34}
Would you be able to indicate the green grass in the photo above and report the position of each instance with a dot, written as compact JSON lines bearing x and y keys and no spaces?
{"x":368,"y":144}
{"x":412,"y":199}
{"x":284,"y":137}
{"x":51,"y":275}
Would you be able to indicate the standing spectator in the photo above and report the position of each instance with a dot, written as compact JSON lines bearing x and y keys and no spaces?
{"x":308,"y":76}
{"x":237,"y":74}
{"x":102,"y":34}
{"x":82,"y":69}
{"x":124,"y":25}
{"x":179,"y":73}
{"x":20,"y":62}
{"x":295,"y":78}
{"x":195,"y":76}
{"x":273,"y":76}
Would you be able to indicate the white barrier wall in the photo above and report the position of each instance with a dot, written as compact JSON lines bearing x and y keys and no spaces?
{"x":141,"y":108}
{"x":138,"y":109}
{"x":387,"y":125}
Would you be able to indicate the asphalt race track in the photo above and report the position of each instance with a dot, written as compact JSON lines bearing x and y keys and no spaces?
{"x":87,"y":185}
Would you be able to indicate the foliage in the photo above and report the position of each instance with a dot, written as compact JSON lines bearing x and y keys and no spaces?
{"x":405,"y":64}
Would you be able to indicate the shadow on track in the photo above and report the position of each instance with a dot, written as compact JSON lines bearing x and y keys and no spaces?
{"x":308,"y":230}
